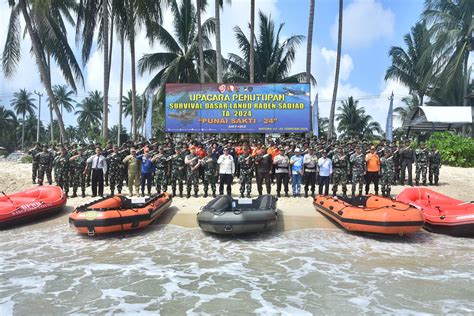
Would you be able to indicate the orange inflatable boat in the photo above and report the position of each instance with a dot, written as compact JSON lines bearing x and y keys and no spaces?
{"x":370,"y":214}
{"x":30,"y":204}
{"x":443,"y":214}
{"x":118,"y":213}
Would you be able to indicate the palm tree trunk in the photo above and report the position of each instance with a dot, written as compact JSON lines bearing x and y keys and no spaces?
{"x":336,"y":77}
{"x":252,"y":40}
{"x":51,"y":119}
{"x":465,"y":91}
{"x":105,"y":34}
{"x":201,"y":52}
{"x":218,"y":41}
{"x":310,"y":40}
{"x":121,"y":86}
{"x":41,"y":62}
{"x":134,"y":89}
{"x":111,"y":45}
{"x":23,"y":133}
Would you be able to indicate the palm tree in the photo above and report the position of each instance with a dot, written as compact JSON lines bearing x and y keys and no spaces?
{"x":218,"y":4}
{"x":90,"y":110}
{"x":273,"y":57}
{"x":414,"y":67}
{"x":336,"y":77}
{"x":46,"y":29}
{"x":411,"y":103}
{"x":178,"y":63}
{"x":201,"y":7}
{"x":310,"y":40}
{"x":252,"y":41}
{"x":63,"y":98}
{"x":353,"y":121}
{"x":8,"y":123}
{"x":23,"y":103}
{"x":127,"y":108}
{"x":323,"y":123}
{"x":28,"y":130}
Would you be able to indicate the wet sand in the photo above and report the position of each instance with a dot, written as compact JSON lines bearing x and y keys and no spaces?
{"x":294,"y":213}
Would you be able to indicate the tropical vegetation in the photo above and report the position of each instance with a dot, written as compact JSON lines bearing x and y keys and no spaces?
{"x":455,"y":150}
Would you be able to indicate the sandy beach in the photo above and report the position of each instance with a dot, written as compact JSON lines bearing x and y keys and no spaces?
{"x":294,"y":213}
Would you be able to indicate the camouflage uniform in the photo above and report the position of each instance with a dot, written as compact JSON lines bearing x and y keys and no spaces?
{"x":161,"y":163}
{"x":114,"y":171}
{"x":246,"y":163}
{"x":45,"y":161}
{"x":35,"y":162}
{"x":340,"y":165}
{"x":192,"y":176}
{"x":61,"y":172}
{"x":387,"y":169}
{"x":421,"y":165}
{"x":210,"y":175}
{"x":77,"y":167}
{"x":89,"y":153}
{"x":358,"y":170}
{"x":177,"y":173}
{"x":434,"y":159}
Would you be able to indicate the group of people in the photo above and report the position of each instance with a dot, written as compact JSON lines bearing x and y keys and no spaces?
{"x":181,"y":166}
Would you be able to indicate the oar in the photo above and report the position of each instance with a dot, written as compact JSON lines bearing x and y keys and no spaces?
{"x":8,"y":197}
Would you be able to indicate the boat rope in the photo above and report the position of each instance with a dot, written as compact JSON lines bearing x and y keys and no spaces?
{"x":374,"y":209}
{"x":7,"y":197}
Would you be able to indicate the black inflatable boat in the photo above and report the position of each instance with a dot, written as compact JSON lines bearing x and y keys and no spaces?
{"x":225,"y":215}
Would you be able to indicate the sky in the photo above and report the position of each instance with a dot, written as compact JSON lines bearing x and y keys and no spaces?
{"x":370,"y":28}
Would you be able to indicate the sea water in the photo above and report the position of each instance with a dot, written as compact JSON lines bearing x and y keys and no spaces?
{"x":174,"y":270}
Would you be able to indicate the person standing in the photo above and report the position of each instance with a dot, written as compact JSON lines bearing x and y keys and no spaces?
{"x":434,"y":159}
{"x":226,"y":171}
{"x":387,"y":168}
{"x":161,"y":172}
{"x":210,"y":173}
{"x":115,"y":163}
{"x":33,"y":152}
{"x":245,"y":165}
{"x":373,"y":169}
{"x":340,"y":164}
{"x":282,"y":171}
{"x":78,"y":165}
{"x":310,"y":161}
{"x":296,"y":162}
{"x":99,"y":168}
{"x":421,"y":164}
{"x":263,"y":167}
{"x":45,"y":161}
{"x":325,"y":171}
{"x":146,"y":170}
{"x":192,"y":175}
{"x":359,"y":168}
{"x":133,"y":167}
{"x":178,"y":172}
{"x":407,"y":156}
{"x":61,"y":170}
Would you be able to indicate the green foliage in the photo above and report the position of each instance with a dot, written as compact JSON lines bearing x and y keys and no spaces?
{"x":455,"y":150}
{"x":26,"y":159}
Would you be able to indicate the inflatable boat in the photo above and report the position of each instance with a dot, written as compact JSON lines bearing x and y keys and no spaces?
{"x":118,"y":214}
{"x":225,"y":215}
{"x":30,"y":204}
{"x":370,"y":214}
{"x":443,"y":214}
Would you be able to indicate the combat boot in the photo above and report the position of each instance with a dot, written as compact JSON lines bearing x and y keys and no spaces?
{"x":174,"y":193}
{"x":196,"y":194}
{"x":388,"y":193}
{"x":180,"y":194}
{"x":344,"y":193}
{"x":205,"y":194}
{"x":112,"y":192}
{"x":376,"y":192}
{"x":286,"y":194}
{"x":83,"y":194}
{"x":417,"y":183}
{"x":74,"y":194}
{"x":383,"y":193}
{"x":213,"y":193}
{"x":305,"y":194}
{"x":248,"y":195}
{"x":360,"y":193}
{"x":278,"y":194}
{"x":188,"y":195}
{"x":353,"y":193}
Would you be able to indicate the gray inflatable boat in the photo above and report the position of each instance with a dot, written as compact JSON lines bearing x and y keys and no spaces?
{"x":225,"y":215}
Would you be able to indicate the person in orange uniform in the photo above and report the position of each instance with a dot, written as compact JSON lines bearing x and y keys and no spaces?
{"x":373,"y":170}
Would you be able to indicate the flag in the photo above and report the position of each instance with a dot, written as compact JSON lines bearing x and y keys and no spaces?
{"x":149,"y":113}
{"x":389,"y":126}
{"x":315,"y":117}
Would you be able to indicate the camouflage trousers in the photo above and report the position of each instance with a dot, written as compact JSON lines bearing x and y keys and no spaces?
{"x":62,"y":181}
{"x":177,"y":179}
{"x":161,"y":182}
{"x":41,"y":171}
{"x":78,"y":180}
{"x":420,"y":169}
{"x":433,"y":173}
{"x":357,"y":178}
{"x":34,"y":171}
{"x":245,"y":182}
{"x":192,"y":180}
{"x":339,"y":177}
{"x":115,"y":180}
{"x":386,"y":180}
{"x":209,"y":180}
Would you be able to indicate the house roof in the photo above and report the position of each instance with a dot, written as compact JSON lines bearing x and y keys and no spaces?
{"x":438,"y":118}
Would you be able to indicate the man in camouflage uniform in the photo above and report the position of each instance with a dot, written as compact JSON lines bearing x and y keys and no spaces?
{"x":45,"y":161}
{"x":133,"y":171}
{"x":210,"y":173}
{"x":246,"y":164}
{"x":114,"y":171}
{"x":89,"y":153}
{"x":387,"y":169}
{"x":161,"y":172}
{"x":177,"y":172}
{"x":359,"y":168}
{"x":310,"y":162}
{"x":192,"y":173}
{"x":61,"y":170}
{"x":33,"y":152}
{"x":421,"y":163}
{"x":77,"y":165}
{"x":434,"y":159}
{"x":340,"y":165}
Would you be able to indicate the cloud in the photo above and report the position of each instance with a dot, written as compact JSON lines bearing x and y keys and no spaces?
{"x":364,"y":23}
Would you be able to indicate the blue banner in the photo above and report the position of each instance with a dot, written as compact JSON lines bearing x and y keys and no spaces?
{"x":389,"y":126}
{"x":238,"y":108}
{"x":149,"y":113}
{"x":316,"y":117}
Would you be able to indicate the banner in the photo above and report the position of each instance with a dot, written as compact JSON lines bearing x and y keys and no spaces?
{"x":315,"y":117}
{"x":238,"y":108}
{"x":149,"y":113}
{"x":389,"y":126}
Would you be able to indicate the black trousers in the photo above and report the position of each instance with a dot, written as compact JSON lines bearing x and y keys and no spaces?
{"x":146,"y":177}
{"x":225,"y":179}
{"x":323,"y":182}
{"x":97,"y":180}
{"x":309,"y":180}
{"x":282,"y":178}
{"x":406,"y":164}
{"x":372,"y":177}
{"x":268,"y":181}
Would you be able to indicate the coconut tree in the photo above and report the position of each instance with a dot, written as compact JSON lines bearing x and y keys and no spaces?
{"x":28,"y":128}
{"x":45,"y":23}
{"x":411,"y":103}
{"x":414,"y":67}
{"x":89,"y":111}
{"x":127,"y":108}
{"x":200,"y":7}
{"x":8,"y":124}
{"x":64,"y":98}
{"x":273,"y":57}
{"x":218,"y":4}
{"x":310,"y":40}
{"x":323,"y":123}
{"x":252,"y":42}
{"x":23,"y":103}
{"x":336,"y":76}
{"x":353,"y":121}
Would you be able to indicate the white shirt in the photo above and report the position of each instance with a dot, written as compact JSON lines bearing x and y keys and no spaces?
{"x":98,"y":162}
{"x":226,"y":164}
{"x":282,"y":163}
{"x":325,"y":167}
{"x":310,"y":161}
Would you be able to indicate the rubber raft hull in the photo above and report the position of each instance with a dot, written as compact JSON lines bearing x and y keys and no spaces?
{"x":239,"y":220}
{"x":117,"y":214}
{"x":30,"y":205}
{"x":379,"y":215}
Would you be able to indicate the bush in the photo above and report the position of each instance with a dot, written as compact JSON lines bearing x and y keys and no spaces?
{"x":455,"y":150}
{"x":26,"y":159}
